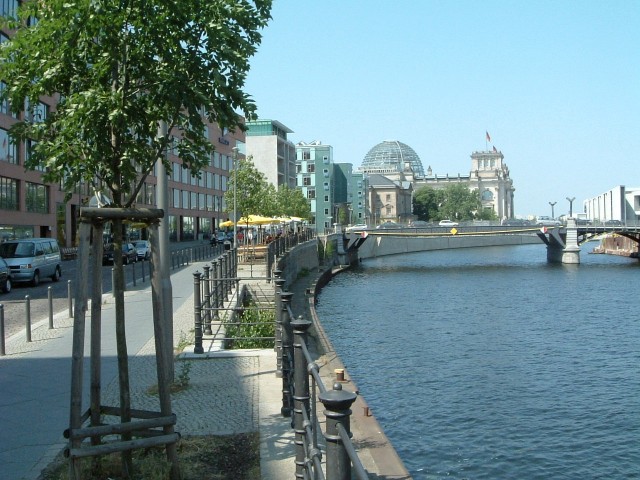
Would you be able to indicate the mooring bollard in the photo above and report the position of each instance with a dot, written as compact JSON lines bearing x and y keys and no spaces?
{"x":50,"y":297}
{"x":197,"y":313}
{"x":69,"y":299}
{"x":2,"y":344}
{"x":27,"y":306}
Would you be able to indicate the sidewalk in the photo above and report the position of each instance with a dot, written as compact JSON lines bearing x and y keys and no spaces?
{"x":229,"y":392}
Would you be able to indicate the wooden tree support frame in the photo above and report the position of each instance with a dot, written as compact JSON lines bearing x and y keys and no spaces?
{"x":153,"y":428}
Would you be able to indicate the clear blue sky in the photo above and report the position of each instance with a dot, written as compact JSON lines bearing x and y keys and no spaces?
{"x":555,"y":83}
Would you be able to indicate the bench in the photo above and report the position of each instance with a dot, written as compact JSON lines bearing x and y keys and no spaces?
{"x":68,"y":253}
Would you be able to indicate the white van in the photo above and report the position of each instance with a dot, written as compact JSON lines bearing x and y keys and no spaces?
{"x":31,"y":259}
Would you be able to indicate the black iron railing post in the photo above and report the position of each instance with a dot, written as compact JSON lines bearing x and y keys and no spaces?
{"x":207,"y":300}
{"x":337,"y":404}
{"x":287,"y":355}
{"x":279,"y":288}
{"x":197,"y":312}
{"x":301,"y":391}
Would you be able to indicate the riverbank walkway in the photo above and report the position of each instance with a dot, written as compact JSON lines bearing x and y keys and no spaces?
{"x":229,"y":392}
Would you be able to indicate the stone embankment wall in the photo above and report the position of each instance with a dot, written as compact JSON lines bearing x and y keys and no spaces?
{"x":305,"y":277}
{"x":388,"y":244}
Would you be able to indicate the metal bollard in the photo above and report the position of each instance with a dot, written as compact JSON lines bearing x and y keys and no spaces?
{"x":337,"y":404}
{"x":143,"y":275}
{"x":197,"y":313}
{"x":3,"y":350}
{"x":50,"y":297}
{"x":70,"y":300}
{"x":133,"y":269}
{"x":27,"y":306}
{"x":113,"y":282}
{"x":301,"y":393}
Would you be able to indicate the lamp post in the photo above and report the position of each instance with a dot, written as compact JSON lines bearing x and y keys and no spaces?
{"x":571,"y":206}
{"x":552,"y":205}
{"x":235,"y":195}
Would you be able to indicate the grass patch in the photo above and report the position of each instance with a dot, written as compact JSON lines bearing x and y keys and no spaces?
{"x":211,"y":457}
{"x":253,"y":328}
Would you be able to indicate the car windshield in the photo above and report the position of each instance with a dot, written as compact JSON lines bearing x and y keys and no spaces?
{"x":141,"y":244}
{"x":17,"y":250}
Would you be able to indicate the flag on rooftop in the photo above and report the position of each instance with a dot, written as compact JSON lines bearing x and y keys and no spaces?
{"x":488,"y":136}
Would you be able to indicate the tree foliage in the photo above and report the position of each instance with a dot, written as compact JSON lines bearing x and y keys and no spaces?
{"x":119,"y":69}
{"x":256,"y":196}
{"x":455,"y":201}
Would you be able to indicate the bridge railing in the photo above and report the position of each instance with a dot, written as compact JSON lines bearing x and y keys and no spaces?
{"x":302,"y":389}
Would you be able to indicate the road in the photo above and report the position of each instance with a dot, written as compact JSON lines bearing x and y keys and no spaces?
{"x":14,"y":303}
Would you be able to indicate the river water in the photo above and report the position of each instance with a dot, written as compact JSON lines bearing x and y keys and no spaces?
{"x":489,"y":363}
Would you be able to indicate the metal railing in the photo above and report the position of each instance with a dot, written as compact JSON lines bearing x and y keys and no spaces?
{"x":299,"y":400}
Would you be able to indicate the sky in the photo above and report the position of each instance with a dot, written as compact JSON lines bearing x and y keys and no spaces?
{"x":556,"y":84}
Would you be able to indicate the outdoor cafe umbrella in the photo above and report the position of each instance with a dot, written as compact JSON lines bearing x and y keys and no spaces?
{"x":226,"y":223}
{"x":256,"y":220}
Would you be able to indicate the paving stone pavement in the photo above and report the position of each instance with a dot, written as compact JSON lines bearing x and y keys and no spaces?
{"x":229,"y":392}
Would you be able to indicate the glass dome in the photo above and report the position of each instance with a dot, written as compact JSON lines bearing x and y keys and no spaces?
{"x":392,"y":155}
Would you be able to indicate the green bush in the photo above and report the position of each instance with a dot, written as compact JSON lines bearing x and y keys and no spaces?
{"x":253,"y":324}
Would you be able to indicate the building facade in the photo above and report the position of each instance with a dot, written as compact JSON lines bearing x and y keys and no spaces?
{"x":315,"y":177}
{"x":619,"y":203}
{"x":272,"y":153}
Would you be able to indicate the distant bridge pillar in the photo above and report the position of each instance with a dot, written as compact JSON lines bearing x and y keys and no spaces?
{"x":571,"y":251}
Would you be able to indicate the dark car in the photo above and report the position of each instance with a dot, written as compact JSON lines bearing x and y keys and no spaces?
{"x":218,"y":238}
{"x":129,"y":254}
{"x":5,"y":276}
{"x":613,"y":223}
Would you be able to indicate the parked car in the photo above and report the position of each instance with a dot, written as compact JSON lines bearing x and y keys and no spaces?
{"x":613,"y":223}
{"x":5,"y":276}
{"x":545,"y":221}
{"x":357,"y":228}
{"x":218,"y":238}
{"x":420,"y":224}
{"x":31,"y":259}
{"x":143,"y":249}
{"x":447,"y":223}
{"x":129,"y":254}
{"x":388,"y":225}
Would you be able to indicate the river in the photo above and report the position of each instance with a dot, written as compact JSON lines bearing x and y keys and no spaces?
{"x":490,"y":363}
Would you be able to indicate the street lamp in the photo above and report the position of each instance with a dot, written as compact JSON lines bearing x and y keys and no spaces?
{"x":235,"y":195}
{"x":552,"y":205}
{"x":571,"y":206}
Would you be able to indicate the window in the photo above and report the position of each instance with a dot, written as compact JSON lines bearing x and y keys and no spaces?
{"x":326,"y":172}
{"x":8,"y":193}
{"x":326,"y":211}
{"x":37,"y":198}
{"x":176,"y":172}
{"x":306,"y":154}
{"x":325,"y":159}
{"x":326,"y":185}
{"x":176,"y":198}
{"x":487,"y":195}
{"x":311,"y":167}
{"x":185,"y":199}
{"x":306,"y":181}
{"x":5,"y":106}
{"x":8,"y":148}
{"x":311,"y":193}
{"x":201,"y":202}
{"x":326,"y":198}
{"x":388,"y":197}
{"x":193,"y":200}
{"x":9,"y":8}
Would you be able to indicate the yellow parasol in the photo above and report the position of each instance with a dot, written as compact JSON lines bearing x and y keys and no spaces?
{"x":226,"y":223}
{"x":256,"y":220}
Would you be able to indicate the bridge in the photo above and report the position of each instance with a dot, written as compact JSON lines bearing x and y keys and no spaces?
{"x":562,"y":242}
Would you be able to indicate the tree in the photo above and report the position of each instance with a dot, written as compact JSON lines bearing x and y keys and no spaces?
{"x":291,"y":202}
{"x":254,"y":194}
{"x":119,"y":71}
{"x":426,"y":203}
